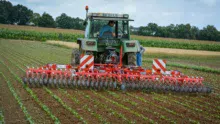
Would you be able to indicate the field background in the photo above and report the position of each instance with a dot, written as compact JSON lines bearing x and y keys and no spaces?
{"x":22,"y":104}
{"x":73,"y":31}
{"x":43,"y":34}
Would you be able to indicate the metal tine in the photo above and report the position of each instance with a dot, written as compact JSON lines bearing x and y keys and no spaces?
{"x":69,"y":80}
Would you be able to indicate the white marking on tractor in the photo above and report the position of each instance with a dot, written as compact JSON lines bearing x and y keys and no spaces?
{"x":159,"y":64}
{"x":87,"y":60}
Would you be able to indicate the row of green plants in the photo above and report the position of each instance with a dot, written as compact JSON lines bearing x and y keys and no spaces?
{"x":166,"y":101}
{"x":58,"y":99}
{"x":2,"y":121}
{"x":145,"y":108}
{"x":18,"y":99}
{"x":198,"y":68}
{"x":186,"y":103}
{"x":43,"y":36}
{"x":124,"y":107}
{"x":128,"y":100}
{"x":158,"y":106}
{"x":37,"y":36}
{"x":208,"y":103}
{"x":192,"y":108}
{"x":179,"y":45}
{"x":25,"y":49}
{"x":32,"y":94}
{"x":195,"y":104}
{"x":2,"y":118}
{"x":85,"y":106}
{"x":104,"y":106}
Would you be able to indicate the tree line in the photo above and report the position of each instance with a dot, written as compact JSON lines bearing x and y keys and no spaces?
{"x":183,"y":31}
{"x":21,"y":15}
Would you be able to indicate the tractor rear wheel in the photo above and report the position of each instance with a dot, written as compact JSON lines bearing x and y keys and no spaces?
{"x":75,"y":58}
{"x":131,"y":59}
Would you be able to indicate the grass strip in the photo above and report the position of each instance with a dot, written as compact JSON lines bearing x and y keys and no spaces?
{"x":179,"y":45}
{"x":198,"y":68}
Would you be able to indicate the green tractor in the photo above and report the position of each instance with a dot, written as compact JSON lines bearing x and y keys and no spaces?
{"x":106,"y":49}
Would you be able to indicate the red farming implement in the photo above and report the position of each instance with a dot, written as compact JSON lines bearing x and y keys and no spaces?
{"x":110,"y":76}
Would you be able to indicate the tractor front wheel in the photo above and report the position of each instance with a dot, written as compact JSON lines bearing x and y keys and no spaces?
{"x":75,"y":58}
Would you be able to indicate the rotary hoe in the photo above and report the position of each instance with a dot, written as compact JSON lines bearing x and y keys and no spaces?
{"x":107,"y":62}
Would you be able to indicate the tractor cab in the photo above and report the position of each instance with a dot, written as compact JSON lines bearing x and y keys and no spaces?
{"x":95,"y":22}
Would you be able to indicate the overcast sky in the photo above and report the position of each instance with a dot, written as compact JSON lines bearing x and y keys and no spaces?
{"x":163,"y":12}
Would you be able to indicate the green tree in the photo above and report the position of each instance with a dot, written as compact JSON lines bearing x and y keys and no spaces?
{"x":46,"y":20}
{"x":21,"y":14}
{"x":6,"y":9}
{"x":194,"y":32}
{"x":209,"y":33}
{"x":143,"y":30}
{"x":170,"y":31}
{"x":152,"y":28}
{"x":64,"y":21}
{"x":78,"y":23}
{"x":35,"y":18}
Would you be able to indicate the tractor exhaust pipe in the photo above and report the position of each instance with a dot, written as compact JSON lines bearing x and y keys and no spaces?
{"x":87,"y":9}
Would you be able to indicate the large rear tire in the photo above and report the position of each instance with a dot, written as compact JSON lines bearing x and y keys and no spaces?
{"x":75,"y":58}
{"x":132,"y":59}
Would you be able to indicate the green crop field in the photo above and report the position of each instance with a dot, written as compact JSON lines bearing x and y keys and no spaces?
{"x":43,"y":34}
{"x":23,"y":104}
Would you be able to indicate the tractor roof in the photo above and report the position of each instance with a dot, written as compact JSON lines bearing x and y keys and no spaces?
{"x":109,"y":16}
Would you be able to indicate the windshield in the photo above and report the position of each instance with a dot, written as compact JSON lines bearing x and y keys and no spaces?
{"x":120,"y":29}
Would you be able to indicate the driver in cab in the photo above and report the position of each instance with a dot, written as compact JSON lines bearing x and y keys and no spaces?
{"x":107,"y":30}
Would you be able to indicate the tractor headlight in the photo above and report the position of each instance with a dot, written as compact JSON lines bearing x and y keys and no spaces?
{"x":130,"y":44}
{"x":90,"y":43}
